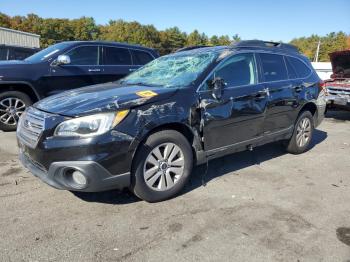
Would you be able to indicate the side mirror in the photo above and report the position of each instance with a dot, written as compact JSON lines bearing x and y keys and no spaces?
{"x":217,"y":87}
{"x":62,"y":60}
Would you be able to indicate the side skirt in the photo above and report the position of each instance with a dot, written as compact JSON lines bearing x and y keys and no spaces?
{"x":254,"y":142}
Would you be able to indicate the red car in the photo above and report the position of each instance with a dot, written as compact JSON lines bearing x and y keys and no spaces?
{"x":338,"y":87}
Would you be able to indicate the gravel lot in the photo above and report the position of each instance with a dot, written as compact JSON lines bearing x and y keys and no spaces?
{"x":264,"y":205}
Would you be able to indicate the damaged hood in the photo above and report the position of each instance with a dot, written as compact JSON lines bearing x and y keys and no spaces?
{"x":340,"y":64}
{"x":102,"y":98}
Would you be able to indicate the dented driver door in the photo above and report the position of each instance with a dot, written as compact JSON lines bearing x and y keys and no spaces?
{"x":239,"y":114}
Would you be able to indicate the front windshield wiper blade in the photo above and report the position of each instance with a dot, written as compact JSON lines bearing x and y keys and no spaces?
{"x":139,"y":84}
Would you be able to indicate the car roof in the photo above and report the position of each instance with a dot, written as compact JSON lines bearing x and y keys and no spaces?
{"x":248,"y":45}
{"x":119,"y":44}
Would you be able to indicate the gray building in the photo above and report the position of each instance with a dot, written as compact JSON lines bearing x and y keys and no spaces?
{"x":18,"y":38}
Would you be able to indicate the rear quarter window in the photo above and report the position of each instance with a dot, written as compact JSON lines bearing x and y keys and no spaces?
{"x":141,"y":57}
{"x":301,"y":69}
{"x":273,"y":67}
{"x":292,"y":74}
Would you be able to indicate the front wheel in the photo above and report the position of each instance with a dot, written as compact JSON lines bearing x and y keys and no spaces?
{"x":162,"y":166}
{"x":302,"y":135}
{"x":12,"y":106}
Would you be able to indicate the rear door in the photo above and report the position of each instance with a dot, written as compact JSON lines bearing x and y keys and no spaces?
{"x":83,"y":70}
{"x":239,"y":115}
{"x":117,"y":63}
{"x":281,"y":100}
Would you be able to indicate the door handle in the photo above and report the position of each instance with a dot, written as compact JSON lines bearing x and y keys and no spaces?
{"x":132,"y":69}
{"x":94,"y":70}
{"x":262,"y":94}
{"x":298,"y":89}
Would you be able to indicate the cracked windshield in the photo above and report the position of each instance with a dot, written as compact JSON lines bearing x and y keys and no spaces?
{"x":177,"y":70}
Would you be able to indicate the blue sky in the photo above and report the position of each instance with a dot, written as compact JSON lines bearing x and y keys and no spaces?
{"x":265,"y":19}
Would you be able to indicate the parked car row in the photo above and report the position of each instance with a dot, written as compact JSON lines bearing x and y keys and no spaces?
{"x":61,"y":67}
{"x":146,"y":131}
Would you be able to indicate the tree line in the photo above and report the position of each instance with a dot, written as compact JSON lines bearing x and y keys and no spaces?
{"x":334,"y":41}
{"x":53,"y":30}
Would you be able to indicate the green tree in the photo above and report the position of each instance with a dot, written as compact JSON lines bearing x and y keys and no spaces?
{"x":5,"y":20}
{"x":236,"y":38}
{"x":130,"y":32}
{"x":195,"y":38}
{"x":224,"y":40}
{"x":84,"y":28}
{"x":214,"y":40}
{"x":172,"y":39}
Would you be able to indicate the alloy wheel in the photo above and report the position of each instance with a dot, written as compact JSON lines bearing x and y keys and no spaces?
{"x":11,"y":108}
{"x":164,"y":166}
{"x":303,"y":132}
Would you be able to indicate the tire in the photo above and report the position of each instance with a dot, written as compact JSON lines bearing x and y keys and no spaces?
{"x":8,"y":112}
{"x":167,"y":177}
{"x":304,"y":127}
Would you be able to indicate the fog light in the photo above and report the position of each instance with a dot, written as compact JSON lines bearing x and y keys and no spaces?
{"x":79,"y":178}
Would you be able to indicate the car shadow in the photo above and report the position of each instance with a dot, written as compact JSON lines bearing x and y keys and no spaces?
{"x":200,"y":176}
{"x":338,"y":115}
{"x":234,"y":162}
{"x":115,"y":197}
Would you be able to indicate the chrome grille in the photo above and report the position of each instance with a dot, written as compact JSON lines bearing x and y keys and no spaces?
{"x":31,"y":126}
{"x":338,"y":91}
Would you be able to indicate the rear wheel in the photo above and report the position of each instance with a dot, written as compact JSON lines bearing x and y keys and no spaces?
{"x":302,"y":135}
{"x":12,"y":106}
{"x":162,"y":166}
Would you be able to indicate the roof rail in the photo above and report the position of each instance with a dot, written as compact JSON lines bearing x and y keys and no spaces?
{"x":186,"y":48}
{"x":266,"y":44}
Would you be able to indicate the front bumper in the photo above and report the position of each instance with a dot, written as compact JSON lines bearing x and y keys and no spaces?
{"x":104,"y":160}
{"x":338,"y":100}
{"x":58,"y":175}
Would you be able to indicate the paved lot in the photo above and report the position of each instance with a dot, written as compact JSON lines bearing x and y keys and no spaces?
{"x":260,"y":206}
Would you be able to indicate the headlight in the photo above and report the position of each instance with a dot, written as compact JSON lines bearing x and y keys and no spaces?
{"x":90,"y":125}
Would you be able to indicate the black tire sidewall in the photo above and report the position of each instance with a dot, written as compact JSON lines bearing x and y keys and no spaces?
{"x":16,"y":94}
{"x":139,"y":186}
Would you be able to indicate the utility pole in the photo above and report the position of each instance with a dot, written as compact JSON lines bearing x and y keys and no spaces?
{"x":317,"y":51}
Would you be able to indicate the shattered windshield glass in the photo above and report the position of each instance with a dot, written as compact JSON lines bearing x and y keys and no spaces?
{"x":177,"y":70}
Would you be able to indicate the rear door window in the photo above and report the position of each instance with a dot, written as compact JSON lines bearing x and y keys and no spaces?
{"x":141,"y":57}
{"x":116,"y":56}
{"x":301,"y":69}
{"x":273,"y":67}
{"x":84,"y":55}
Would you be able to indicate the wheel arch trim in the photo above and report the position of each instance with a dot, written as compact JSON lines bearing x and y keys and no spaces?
{"x":22,"y":83}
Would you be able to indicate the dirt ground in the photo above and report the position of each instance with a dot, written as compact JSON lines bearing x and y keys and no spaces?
{"x":264,"y":205}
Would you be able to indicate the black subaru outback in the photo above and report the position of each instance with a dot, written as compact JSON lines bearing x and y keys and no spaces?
{"x":148,"y":130}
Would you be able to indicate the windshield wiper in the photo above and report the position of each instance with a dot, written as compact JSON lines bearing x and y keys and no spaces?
{"x":139,"y":84}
